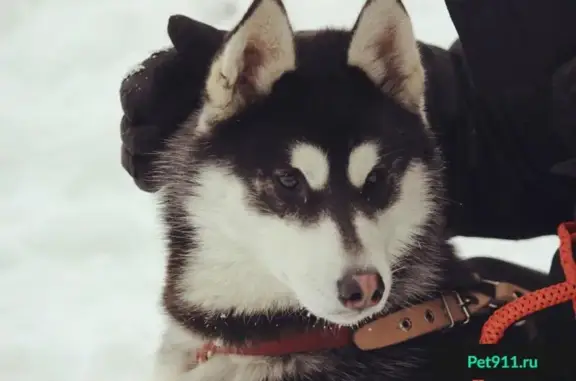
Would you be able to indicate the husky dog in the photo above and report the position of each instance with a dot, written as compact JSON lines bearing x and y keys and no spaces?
{"x":306,"y":190}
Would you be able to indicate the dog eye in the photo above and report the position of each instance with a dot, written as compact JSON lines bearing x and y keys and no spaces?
{"x":372,"y":178}
{"x":288,"y":179}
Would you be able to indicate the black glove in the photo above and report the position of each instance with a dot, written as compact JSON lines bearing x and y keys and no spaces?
{"x":162,"y":93}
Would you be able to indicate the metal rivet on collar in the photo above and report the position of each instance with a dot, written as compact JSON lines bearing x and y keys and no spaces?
{"x":429,"y":316}
{"x":405,"y":324}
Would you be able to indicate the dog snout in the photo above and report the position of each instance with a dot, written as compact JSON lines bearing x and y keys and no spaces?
{"x":360,"y":289}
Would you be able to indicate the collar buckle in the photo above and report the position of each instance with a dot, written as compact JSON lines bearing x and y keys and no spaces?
{"x":462,"y":303}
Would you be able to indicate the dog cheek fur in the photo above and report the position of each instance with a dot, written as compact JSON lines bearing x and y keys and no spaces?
{"x":262,"y":261}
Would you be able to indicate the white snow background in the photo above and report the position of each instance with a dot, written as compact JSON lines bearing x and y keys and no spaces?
{"x":81,"y":256}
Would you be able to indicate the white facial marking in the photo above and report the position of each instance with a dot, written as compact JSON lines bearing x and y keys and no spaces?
{"x":229,"y":233}
{"x":362,"y":160}
{"x":312,"y":162}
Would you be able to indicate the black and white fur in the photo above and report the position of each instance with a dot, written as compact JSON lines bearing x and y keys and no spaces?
{"x":310,"y":156}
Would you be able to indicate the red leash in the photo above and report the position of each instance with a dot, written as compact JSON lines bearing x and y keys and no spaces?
{"x":538,"y":300}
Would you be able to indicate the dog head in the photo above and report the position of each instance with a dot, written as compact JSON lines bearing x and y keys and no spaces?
{"x":308,"y":177}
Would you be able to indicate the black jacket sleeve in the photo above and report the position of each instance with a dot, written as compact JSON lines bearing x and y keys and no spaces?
{"x":511,"y":56}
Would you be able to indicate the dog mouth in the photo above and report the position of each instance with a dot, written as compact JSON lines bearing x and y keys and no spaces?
{"x":351,"y":317}
{"x":360,"y":295}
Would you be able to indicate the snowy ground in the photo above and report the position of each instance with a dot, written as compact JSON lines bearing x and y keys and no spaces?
{"x":81,"y":259}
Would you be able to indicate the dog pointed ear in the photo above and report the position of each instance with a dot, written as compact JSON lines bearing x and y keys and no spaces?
{"x":255,"y":55}
{"x":383,"y":46}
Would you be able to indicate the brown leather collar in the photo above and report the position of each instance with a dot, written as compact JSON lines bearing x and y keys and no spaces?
{"x":450,"y":309}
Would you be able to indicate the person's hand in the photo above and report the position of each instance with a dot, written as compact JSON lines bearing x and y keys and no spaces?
{"x":161,"y":93}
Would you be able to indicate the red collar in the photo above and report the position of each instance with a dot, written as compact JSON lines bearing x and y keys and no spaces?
{"x":313,"y":340}
{"x":448,"y":310}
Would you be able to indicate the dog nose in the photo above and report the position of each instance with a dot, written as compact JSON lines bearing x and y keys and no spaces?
{"x":360,"y":290}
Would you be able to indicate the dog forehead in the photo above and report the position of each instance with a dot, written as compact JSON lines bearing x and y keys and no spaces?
{"x":327,"y":114}
{"x":333,"y":111}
